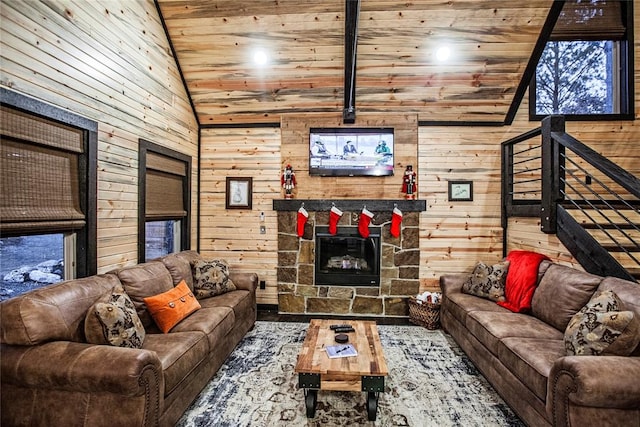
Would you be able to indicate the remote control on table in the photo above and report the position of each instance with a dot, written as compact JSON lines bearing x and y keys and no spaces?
{"x":334,"y":327}
{"x":344,"y":329}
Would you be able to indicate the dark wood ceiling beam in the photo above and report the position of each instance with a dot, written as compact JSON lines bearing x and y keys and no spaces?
{"x":352,"y":10}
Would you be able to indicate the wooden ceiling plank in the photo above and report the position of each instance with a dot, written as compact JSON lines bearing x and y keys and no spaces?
{"x":491,"y":42}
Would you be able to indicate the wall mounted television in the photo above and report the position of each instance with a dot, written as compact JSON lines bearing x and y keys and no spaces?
{"x":351,"y":151}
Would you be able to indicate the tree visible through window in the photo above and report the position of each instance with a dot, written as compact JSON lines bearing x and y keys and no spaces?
{"x":585,"y":71}
{"x":577,"y":77}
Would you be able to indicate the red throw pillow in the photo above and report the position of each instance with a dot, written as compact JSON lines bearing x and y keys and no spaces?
{"x":171,"y":307}
{"x":522,"y":279}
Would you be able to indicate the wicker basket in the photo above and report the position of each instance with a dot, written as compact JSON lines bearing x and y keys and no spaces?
{"x":426,"y":314}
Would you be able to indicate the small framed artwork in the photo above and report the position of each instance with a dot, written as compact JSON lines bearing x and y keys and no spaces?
{"x":460,"y":191}
{"x":239,"y":193}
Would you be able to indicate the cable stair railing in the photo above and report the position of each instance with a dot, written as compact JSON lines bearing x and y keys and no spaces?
{"x":589,"y":202}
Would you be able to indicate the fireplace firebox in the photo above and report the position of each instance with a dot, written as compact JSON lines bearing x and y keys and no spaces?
{"x":347,"y":258}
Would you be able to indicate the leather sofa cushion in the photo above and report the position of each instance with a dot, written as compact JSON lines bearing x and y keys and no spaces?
{"x":531,"y":359}
{"x":460,"y":305}
{"x":179,"y":266}
{"x":240,"y":301}
{"x":562,"y":292}
{"x":491,"y":327}
{"x":54,"y":312}
{"x":246,"y":281}
{"x":214,"y":322}
{"x":179,"y":354}
{"x":142,"y":281}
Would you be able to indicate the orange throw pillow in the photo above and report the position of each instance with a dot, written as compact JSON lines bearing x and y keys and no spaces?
{"x":171,"y":307}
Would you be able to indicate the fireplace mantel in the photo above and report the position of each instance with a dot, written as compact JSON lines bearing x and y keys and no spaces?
{"x":324,"y":205}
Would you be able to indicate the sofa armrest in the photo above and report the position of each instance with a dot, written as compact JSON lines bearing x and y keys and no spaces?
{"x":79,"y":367}
{"x":450,"y":283}
{"x":592,"y":381}
{"x":247,"y":281}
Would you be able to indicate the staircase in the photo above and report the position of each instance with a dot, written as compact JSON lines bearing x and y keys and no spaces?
{"x":590,"y":203}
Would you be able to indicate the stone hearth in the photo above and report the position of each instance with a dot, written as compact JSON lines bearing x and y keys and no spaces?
{"x":400,"y":260}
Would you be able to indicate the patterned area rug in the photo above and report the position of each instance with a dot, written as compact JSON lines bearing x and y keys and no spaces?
{"x":431,"y":383}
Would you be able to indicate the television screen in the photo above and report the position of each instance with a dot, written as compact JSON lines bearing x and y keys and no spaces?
{"x":351,"y":151}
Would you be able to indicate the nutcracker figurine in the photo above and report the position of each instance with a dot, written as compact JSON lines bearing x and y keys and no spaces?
{"x":288,"y":181}
{"x":409,"y":184}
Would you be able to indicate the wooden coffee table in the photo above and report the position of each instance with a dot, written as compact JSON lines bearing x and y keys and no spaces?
{"x":364,"y":372}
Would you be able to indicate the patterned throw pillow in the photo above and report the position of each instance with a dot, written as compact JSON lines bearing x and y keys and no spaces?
{"x":211,"y":278}
{"x":113,"y":321}
{"x":487,"y":281}
{"x":602,"y":327}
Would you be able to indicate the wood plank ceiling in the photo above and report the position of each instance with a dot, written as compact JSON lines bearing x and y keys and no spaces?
{"x":397,"y":69}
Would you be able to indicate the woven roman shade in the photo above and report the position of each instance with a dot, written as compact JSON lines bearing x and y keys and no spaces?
{"x":590,"y":20}
{"x":27,"y":127}
{"x":39,"y":189}
{"x":161,"y":163}
{"x":164,"y":194}
{"x":39,"y":169}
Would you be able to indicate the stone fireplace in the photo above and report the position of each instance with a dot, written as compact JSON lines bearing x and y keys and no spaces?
{"x":346,"y":294}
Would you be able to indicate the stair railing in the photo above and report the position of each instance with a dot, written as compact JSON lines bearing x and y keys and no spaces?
{"x":567,"y":183}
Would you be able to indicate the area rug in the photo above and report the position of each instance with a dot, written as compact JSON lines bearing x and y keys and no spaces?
{"x":431,"y":383}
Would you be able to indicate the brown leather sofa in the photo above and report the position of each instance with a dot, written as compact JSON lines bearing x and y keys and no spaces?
{"x":50,"y":375}
{"x":523,"y":355}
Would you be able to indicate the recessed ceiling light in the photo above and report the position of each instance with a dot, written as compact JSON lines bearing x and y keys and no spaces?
{"x":260,"y":57}
{"x":443,"y":53}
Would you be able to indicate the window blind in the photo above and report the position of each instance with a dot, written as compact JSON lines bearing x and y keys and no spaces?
{"x":39,"y":189}
{"x":162,"y":163}
{"x":27,"y":127}
{"x":590,"y":20}
{"x":39,"y":172}
{"x":164,"y":187}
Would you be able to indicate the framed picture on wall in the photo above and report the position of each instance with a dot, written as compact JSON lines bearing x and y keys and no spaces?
{"x":239,"y":193}
{"x":460,"y":191}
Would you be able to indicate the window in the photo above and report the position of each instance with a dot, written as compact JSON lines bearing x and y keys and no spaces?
{"x":32,"y":261}
{"x":162,"y":238}
{"x":47,"y":195}
{"x":164,"y":200}
{"x":585,"y":71}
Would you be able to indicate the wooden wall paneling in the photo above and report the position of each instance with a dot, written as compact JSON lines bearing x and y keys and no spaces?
{"x":525,"y":234}
{"x":234,"y":235}
{"x":455,"y":235}
{"x":617,"y":140}
{"x":90,"y":74}
{"x":295,"y":151}
{"x":117,"y":197}
{"x":108,"y":61}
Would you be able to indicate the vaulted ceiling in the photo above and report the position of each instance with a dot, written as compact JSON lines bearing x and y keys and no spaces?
{"x":396,"y":69}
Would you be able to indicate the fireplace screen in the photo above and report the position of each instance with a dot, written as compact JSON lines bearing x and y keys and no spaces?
{"x":347,"y":258}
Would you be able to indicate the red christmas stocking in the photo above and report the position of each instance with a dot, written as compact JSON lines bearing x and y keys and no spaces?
{"x":396,"y":220}
{"x":363,"y":223}
{"x":303,"y":215}
{"x":334,"y":217}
